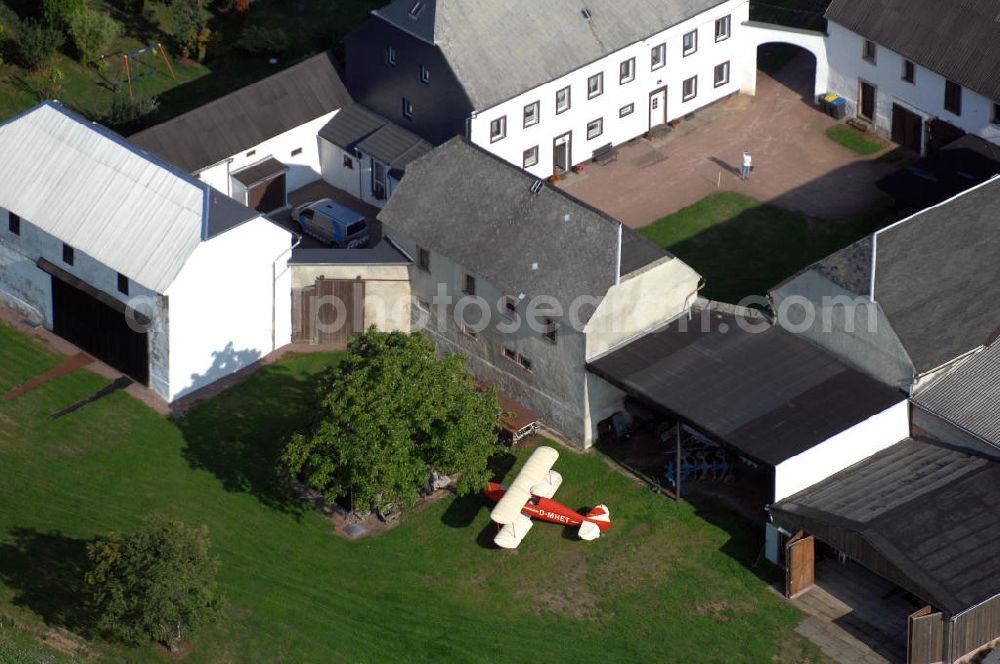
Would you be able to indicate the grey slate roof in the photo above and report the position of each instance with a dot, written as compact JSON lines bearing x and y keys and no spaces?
{"x":770,"y":394}
{"x":359,"y":127}
{"x":501,"y":49}
{"x":469,"y":205}
{"x":937,"y":277}
{"x":927,"y":510}
{"x":969,"y":395}
{"x":256,"y":173}
{"x":244,"y":118}
{"x":959,"y":40}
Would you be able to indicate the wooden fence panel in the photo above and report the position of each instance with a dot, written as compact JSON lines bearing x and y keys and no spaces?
{"x":925,"y":637}
{"x":800,"y":564}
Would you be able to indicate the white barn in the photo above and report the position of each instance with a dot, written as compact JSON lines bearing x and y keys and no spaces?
{"x":144,"y":267}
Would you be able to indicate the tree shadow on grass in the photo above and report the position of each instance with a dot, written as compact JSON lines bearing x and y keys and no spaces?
{"x":46,"y":572}
{"x":239,"y":435}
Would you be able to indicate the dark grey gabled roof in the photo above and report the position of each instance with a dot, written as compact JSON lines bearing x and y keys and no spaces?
{"x":471,"y":206}
{"x":501,"y":49}
{"x":263,"y":170}
{"x":358,"y":127}
{"x":969,"y":395}
{"x":245,"y":118}
{"x":928,"y":511}
{"x":958,"y":40}
{"x":768,"y":393}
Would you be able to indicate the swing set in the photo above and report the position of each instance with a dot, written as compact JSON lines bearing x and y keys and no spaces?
{"x":133,"y":64}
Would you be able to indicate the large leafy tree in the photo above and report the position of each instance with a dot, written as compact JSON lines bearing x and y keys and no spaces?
{"x":156,"y":583}
{"x":392,"y":413}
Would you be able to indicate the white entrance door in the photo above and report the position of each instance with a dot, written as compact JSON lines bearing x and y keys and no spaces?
{"x":562,"y":153}
{"x":658,"y":108}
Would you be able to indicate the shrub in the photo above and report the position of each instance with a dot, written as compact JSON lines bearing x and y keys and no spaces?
{"x":134,"y":6}
{"x":59,"y":13}
{"x":36,"y":42}
{"x":92,"y":33}
{"x":188,"y":25}
{"x":130,"y":114}
{"x":260,"y":40}
{"x":153,"y":583}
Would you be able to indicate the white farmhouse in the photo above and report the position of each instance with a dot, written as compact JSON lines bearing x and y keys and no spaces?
{"x":144,"y":267}
{"x":923,"y":71}
{"x":260,"y":142}
{"x":545,"y":85}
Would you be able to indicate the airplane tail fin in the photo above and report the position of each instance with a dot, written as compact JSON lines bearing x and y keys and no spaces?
{"x":595,"y":522}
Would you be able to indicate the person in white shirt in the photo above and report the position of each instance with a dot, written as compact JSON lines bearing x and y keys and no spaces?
{"x":747,"y":166}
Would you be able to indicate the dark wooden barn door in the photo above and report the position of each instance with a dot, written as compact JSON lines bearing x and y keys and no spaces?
{"x":328,"y":312}
{"x":907,"y":128}
{"x":99,"y":330}
{"x":800,"y":564}
{"x":866,"y":109}
{"x":267,"y":196}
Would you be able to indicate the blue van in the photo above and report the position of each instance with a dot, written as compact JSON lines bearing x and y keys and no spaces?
{"x":332,"y":224}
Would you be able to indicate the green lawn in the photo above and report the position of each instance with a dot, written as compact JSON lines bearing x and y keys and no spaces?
{"x":312,"y":25}
{"x":744,"y":247}
{"x":852,"y":139}
{"x":666,"y":584}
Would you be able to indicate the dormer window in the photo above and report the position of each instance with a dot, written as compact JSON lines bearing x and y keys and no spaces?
{"x":425,"y":74}
{"x":417,"y":9}
{"x":390,"y":56}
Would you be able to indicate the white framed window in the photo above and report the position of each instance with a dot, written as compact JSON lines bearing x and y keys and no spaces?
{"x":510,"y":307}
{"x":690,"y":89}
{"x":470,"y":331}
{"x":690,"y":42}
{"x":407,"y":109}
{"x":722,"y":26}
{"x":909,"y":71}
{"x":658,"y":56}
{"x":498,"y":129}
{"x":562,"y":100}
{"x":550,"y":330}
{"x":595,"y":85}
{"x":530,"y":157}
{"x":626,"y":71}
{"x":595,"y":128}
{"x":722,"y":74}
{"x":627,"y":109}
{"x":390,"y":56}
{"x":425,"y":74}
{"x":869,"y":51}
{"x":531,"y":113}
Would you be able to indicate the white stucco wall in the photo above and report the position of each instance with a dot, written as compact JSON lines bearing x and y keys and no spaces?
{"x":845,"y":449}
{"x":758,"y":34}
{"x":303,"y":168}
{"x":619,"y":130}
{"x":28,"y":289}
{"x":221,"y":310}
{"x":356,"y":180}
{"x":925,"y":96}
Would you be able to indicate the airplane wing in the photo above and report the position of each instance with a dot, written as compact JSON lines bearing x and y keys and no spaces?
{"x":534,"y":471}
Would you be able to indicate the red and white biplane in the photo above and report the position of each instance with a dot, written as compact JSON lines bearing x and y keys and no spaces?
{"x":530,"y":495}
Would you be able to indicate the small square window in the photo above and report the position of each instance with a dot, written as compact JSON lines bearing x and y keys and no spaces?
{"x":595,"y":128}
{"x":658,"y":56}
{"x":626,"y":71}
{"x":531,"y":112}
{"x":423,"y":305}
{"x":721,"y":74}
{"x":953,"y":97}
{"x":595,"y":85}
{"x":407,"y":109}
{"x":530,"y":157}
{"x":690,"y":42}
{"x":122,"y":284}
{"x":996,"y":113}
{"x":509,"y":354}
{"x":296,"y":152}
{"x":868,"y":52}
{"x":524,"y":362}
{"x":251,"y":153}
{"x":627,"y":109}
{"x":690,"y":88}
{"x":470,"y":331}
{"x":470,"y":285}
{"x":562,"y":100}
{"x":348,"y":162}
{"x":909,"y":71}
{"x":390,"y":56}
{"x":423,"y":259}
{"x":722,"y":29}
{"x":549,"y":331}
{"x":417,"y":9}
{"x":510,"y":307}
{"x":13,"y":223}
{"x":498,"y":129}
{"x":425,"y":74}
{"x":68,"y":254}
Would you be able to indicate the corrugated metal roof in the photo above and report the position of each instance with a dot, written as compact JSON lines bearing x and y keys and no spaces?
{"x":957,"y":39}
{"x":969,"y":395}
{"x":929,"y":511}
{"x":770,"y":394}
{"x":242,"y":119}
{"x":88,"y":187}
{"x":500,"y":49}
